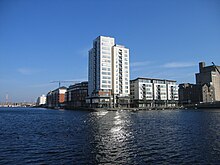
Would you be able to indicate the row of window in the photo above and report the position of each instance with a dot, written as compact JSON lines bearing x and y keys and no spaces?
{"x":126,"y":91}
{"x":105,"y":60}
{"x":106,"y":48}
{"x":106,"y":52}
{"x":117,"y":66}
{"x":106,"y":64}
{"x":126,"y":83}
{"x":106,"y":82}
{"x":124,"y":59}
{"x":126,"y":87}
{"x":106,"y":56}
{"x":148,"y":93}
{"x":125,"y":75}
{"x":106,"y":77}
{"x":126,"y":63}
{"x":106,"y":73}
{"x":107,"y":43}
{"x":106,"y":69}
{"x":106,"y":86}
{"x":161,"y":93}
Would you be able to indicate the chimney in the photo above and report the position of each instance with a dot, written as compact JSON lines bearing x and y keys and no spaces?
{"x":201,"y":66}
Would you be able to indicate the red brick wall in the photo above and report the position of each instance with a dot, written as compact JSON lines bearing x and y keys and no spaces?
{"x":61,"y":98}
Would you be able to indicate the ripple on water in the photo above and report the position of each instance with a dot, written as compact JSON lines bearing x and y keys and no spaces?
{"x":77,"y":137}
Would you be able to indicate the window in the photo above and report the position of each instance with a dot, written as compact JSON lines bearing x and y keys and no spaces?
{"x":104,"y":60}
{"x":106,"y":56}
{"x":105,"y":77}
{"x":105,"y":52}
{"x":104,"y":86}
{"x":106,"y":73}
{"x":105,"y":48}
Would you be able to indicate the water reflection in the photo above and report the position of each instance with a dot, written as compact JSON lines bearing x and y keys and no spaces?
{"x":115,"y":141}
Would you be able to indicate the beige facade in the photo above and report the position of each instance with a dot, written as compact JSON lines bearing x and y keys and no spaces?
{"x":210,"y":76}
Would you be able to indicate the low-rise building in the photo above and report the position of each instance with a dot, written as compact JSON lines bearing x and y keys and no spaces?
{"x":206,"y":89}
{"x":76,"y":95}
{"x":56,"y":98}
{"x":41,"y":100}
{"x":190,"y":93}
{"x":147,"y":92}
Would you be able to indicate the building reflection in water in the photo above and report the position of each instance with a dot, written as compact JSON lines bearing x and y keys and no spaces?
{"x":114,"y":138}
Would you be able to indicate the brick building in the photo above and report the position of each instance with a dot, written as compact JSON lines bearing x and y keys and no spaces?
{"x":56,"y":98}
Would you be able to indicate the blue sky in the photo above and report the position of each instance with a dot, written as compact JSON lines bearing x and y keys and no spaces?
{"x":46,"y":40}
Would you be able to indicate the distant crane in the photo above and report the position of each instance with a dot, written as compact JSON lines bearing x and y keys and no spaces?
{"x":6,"y":99}
{"x":215,"y":67}
{"x":65,"y":81}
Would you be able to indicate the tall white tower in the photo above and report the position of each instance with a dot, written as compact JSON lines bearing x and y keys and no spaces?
{"x":108,"y":71}
{"x":100,"y":66}
{"x":120,"y":71}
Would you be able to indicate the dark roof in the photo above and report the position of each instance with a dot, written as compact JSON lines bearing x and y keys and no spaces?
{"x":151,"y":79}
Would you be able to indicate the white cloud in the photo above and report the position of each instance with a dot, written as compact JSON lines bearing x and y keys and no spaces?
{"x":40,"y":85}
{"x":179,"y":64}
{"x":25,"y":71}
{"x":138,"y":64}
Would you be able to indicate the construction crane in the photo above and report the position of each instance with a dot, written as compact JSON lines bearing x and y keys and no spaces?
{"x":65,"y":81}
{"x":215,"y":67}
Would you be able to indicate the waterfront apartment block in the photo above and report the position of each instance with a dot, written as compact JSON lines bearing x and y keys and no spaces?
{"x":108,"y":83}
{"x":210,"y":77}
{"x":41,"y":100}
{"x":56,"y":98}
{"x":147,"y":92}
{"x":76,"y":95}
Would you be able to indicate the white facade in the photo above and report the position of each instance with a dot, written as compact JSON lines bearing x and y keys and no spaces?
{"x":41,"y":100}
{"x":145,"y":89}
{"x":172,"y":91}
{"x":100,"y":65}
{"x":108,"y":68}
{"x":120,"y":71}
{"x":142,"y":89}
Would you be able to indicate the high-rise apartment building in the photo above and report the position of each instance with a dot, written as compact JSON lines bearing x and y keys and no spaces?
{"x":108,"y":73}
{"x":120,"y":75}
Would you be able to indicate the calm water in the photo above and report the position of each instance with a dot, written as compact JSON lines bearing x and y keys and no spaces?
{"x":40,"y":136}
